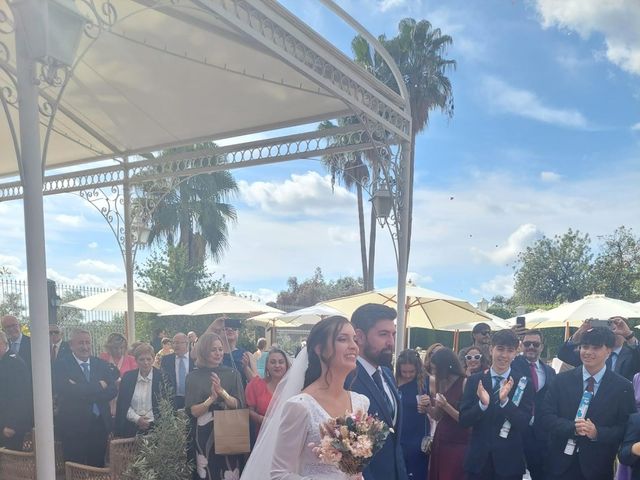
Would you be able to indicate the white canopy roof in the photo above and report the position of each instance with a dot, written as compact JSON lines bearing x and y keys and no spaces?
{"x":171,"y":73}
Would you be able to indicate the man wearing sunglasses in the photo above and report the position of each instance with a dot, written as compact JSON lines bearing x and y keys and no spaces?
{"x":481,"y":334}
{"x":540,"y":375}
{"x":57,"y":346}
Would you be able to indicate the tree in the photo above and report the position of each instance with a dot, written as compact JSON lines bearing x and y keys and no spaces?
{"x":616,"y":270}
{"x":70,"y":315}
{"x":196,"y":210}
{"x":12,"y":305}
{"x":419,"y":51}
{"x":349,"y":169}
{"x":169,"y":275}
{"x":316,"y":289}
{"x":554,"y":270}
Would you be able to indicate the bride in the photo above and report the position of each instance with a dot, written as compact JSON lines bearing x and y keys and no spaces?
{"x":311,"y":393}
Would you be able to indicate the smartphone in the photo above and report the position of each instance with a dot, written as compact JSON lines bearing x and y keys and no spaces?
{"x":600,"y":323}
{"x":521,"y":322}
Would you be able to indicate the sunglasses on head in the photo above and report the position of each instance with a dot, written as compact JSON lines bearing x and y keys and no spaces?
{"x":477,"y":356}
{"x":531,"y":344}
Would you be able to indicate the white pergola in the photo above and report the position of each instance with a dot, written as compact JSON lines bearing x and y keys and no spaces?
{"x":149,"y":75}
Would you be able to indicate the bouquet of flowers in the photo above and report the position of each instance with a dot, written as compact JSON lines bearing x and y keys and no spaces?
{"x":349,"y":442}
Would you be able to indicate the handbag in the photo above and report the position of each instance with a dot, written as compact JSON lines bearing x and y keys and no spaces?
{"x":427,"y":439}
{"x":231,"y":431}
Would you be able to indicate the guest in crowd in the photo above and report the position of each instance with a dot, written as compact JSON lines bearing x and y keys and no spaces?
{"x":19,"y":344}
{"x":596,"y":438}
{"x":427,"y":357}
{"x":176,"y":366}
{"x":84,"y":386}
{"x":166,"y":348}
{"x":259,"y":391}
{"x":625,"y":354}
{"x":487,"y":402}
{"x":193,"y":339}
{"x":541,"y":375}
{"x":212,"y":386}
{"x":15,"y":398}
{"x":140,"y":392}
{"x":57,"y":346}
{"x":116,"y":353}
{"x":450,"y":439}
{"x":481,"y":334}
{"x":414,"y":395}
{"x":158,"y":335}
{"x":375,"y":335}
{"x":259,"y":356}
{"x":473,"y":360}
{"x":234,"y":356}
{"x":629,"y":453}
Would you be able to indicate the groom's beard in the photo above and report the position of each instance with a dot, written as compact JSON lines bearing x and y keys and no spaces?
{"x":382,"y":358}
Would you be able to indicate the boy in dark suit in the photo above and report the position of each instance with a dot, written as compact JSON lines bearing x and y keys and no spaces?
{"x":375,"y":335}
{"x":540,"y":375}
{"x":84,"y":385}
{"x":585,"y":448}
{"x":497,"y":405}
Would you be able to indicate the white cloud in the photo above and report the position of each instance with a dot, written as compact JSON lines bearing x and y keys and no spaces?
{"x":516,"y":242}
{"x":69,"y":220}
{"x":616,"y":20}
{"x":418,"y":279}
{"x":93,"y":245}
{"x":505,"y":98}
{"x":263,"y":295}
{"x":98,"y":265}
{"x":636,"y":127}
{"x":550,"y":177}
{"x":498,"y":285}
{"x":306,"y":195}
{"x":84,"y":279}
{"x":384,"y":5}
{"x":340,"y":235}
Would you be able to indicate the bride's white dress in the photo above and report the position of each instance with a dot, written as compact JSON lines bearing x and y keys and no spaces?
{"x":293,"y":458}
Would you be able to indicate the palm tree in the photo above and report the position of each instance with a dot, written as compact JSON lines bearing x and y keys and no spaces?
{"x":350,"y":170}
{"x":195,"y":211}
{"x":419,"y":51}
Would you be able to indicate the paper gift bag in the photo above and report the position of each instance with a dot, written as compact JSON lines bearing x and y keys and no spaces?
{"x":231,"y":431}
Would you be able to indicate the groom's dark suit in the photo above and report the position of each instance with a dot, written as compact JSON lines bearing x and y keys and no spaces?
{"x":388,"y":463}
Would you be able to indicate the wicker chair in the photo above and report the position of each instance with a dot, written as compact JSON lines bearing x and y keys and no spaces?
{"x":77,"y":471}
{"x":28,"y":445}
{"x":122,"y":452}
{"x":17,"y":465}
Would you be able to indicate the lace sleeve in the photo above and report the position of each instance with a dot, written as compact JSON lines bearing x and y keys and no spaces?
{"x":290,"y":443}
{"x":360,"y":402}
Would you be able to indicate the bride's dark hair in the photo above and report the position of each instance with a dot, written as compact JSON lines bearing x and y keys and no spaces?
{"x":323,"y":331}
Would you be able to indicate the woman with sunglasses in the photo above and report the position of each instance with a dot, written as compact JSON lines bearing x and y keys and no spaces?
{"x":414,"y":392}
{"x":450,"y":439}
{"x":473,"y":360}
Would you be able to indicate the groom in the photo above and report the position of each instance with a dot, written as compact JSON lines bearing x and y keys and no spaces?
{"x":375,"y":335}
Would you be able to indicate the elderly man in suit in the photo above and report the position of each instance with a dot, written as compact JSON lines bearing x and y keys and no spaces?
{"x":624,"y":358}
{"x":540,"y":375}
{"x":375,"y":336}
{"x":176,"y":366}
{"x":585,"y":448}
{"x":496,"y":452}
{"x":57,"y":346}
{"x":19,"y":344}
{"x":84,"y":386}
{"x":15,"y":398}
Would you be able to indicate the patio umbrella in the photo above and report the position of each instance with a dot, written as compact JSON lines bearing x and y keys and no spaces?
{"x":221,"y":303}
{"x":310,"y":315}
{"x":425,"y":308}
{"x":272,"y":320}
{"x":116,"y":301}
{"x":574,"y":313}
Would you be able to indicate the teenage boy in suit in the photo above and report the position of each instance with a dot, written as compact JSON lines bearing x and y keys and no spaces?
{"x":540,"y":375}
{"x":597,"y":436}
{"x":487,"y":402}
{"x":375,"y":335}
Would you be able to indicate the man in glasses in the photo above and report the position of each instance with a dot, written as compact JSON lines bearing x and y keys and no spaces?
{"x":540,"y":375}
{"x":19,"y":344}
{"x":57,"y":346}
{"x":481,"y":334}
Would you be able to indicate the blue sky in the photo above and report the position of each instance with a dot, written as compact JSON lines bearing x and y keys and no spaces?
{"x":545,"y":137}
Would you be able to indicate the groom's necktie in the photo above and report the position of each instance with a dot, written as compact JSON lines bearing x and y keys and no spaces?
{"x":377,"y":378}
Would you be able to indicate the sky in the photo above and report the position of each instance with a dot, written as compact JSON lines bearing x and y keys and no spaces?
{"x":545,"y":137}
